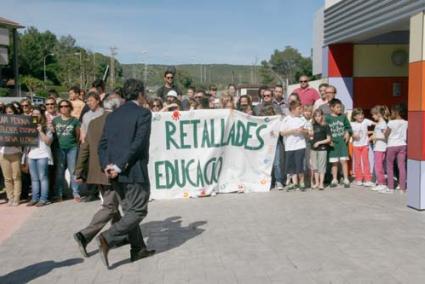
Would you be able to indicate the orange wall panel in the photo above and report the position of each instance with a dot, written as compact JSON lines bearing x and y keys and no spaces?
{"x":416,"y":86}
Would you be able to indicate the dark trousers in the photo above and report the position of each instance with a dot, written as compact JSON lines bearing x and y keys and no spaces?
{"x":133,"y":199}
{"x":108,"y":212}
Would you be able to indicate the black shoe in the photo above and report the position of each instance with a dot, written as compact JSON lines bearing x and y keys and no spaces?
{"x":103,"y":250}
{"x":90,"y":198}
{"x":136,"y":255}
{"x":82,"y":244}
{"x":123,"y":243}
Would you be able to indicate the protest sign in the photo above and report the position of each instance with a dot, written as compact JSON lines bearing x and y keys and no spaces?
{"x":17,"y":130}
{"x":202,"y":152}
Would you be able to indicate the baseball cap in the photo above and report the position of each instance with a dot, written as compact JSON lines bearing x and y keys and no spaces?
{"x":172,"y":93}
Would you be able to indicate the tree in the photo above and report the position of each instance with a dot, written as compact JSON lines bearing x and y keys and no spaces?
{"x":32,"y":84}
{"x":34,"y":46}
{"x":266,"y":74}
{"x":289,"y":63}
{"x":184,"y":78}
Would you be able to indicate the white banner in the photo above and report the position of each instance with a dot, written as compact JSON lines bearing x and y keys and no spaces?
{"x":203,"y":152}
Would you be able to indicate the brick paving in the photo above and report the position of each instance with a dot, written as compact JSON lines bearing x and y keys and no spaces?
{"x":335,"y":236}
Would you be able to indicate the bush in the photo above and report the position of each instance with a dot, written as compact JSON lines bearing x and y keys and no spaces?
{"x":4,"y":92}
{"x":42,"y":93}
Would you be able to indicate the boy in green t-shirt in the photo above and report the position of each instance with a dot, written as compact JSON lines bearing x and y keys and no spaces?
{"x":340,"y":130}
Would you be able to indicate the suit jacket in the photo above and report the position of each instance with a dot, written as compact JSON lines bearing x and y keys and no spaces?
{"x":88,"y":165}
{"x":125,"y":142}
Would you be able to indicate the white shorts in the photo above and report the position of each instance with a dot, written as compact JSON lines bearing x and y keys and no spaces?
{"x":336,"y":160}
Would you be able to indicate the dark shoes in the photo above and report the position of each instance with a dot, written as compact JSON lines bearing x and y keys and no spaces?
{"x":42,"y":203}
{"x":82,"y":244}
{"x":139,"y":254}
{"x":103,"y":250}
{"x":89,"y":198}
{"x":32,"y":203}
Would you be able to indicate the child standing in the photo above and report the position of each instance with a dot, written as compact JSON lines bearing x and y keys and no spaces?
{"x":308,"y":115}
{"x":396,"y":148}
{"x":380,"y":114}
{"x":360,"y":126}
{"x":340,"y":132}
{"x":293,"y":132}
{"x":320,"y":137}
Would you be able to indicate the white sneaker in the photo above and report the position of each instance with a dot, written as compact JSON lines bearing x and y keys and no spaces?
{"x":369,"y":184}
{"x":278,"y":186}
{"x":358,"y":183}
{"x":379,"y":187}
{"x":386,"y":190}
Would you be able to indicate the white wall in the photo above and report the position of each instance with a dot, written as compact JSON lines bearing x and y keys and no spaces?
{"x":329,"y":3}
{"x":318,"y":35}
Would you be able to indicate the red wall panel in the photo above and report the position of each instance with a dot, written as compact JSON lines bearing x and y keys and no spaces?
{"x":371,"y":91}
{"x":340,"y":60}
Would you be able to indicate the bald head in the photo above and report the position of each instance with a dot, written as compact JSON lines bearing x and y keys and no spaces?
{"x":304,"y":81}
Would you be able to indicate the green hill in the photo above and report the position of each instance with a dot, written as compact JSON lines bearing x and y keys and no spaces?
{"x":201,"y":75}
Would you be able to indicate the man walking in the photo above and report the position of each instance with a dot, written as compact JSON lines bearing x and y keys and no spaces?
{"x":124,"y":155}
{"x":88,"y":170}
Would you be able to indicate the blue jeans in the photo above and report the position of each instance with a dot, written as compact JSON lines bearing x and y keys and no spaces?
{"x":66,"y":160}
{"x":39,"y":178}
{"x":276,"y":163}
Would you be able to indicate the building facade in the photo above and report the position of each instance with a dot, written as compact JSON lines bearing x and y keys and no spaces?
{"x":373,"y":51}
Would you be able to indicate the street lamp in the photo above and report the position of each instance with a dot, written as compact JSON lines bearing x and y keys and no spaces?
{"x":145,"y":73}
{"x":81,"y":74}
{"x":44,"y":68}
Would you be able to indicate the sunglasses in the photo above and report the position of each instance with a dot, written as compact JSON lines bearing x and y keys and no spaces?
{"x":267,"y":96}
{"x":303,"y":81}
{"x":169,"y":77}
{"x":64,"y":106}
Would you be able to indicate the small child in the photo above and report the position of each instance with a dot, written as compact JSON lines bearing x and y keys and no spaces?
{"x":320,"y":136}
{"x":396,"y":134}
{"x":380,"y":114}
{"x":360,"y":126}
{"x":293,"y":132}
{"x":340,"y":132}
{"x":308,"y":114}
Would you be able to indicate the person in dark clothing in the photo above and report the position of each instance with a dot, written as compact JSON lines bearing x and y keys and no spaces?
{"x":124,"y":155}
{"x":168,"y":85}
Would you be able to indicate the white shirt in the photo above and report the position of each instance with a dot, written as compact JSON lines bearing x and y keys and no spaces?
{"x":379,"y":133}
{"x":360,"y":129}
{"x":42,"y":151}
{"x":398,"y":135}
{"x":294,"y":141}
{"x":318,"y":103}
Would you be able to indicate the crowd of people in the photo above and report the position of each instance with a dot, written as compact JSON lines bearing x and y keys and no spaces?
{"x":316,"y":139}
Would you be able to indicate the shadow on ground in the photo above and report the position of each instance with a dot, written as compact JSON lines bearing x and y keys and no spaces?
{"x":168,"y":234}
{"x":33,"y":271}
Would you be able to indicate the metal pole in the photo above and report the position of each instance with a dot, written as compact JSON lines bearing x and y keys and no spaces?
{"x":15,"y":63}
{"x":81,"y":73}
{"x":44,"y":71}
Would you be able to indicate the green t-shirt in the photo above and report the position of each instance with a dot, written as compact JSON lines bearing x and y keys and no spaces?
{"x":338,"y":125}
{"x":66,"y":132}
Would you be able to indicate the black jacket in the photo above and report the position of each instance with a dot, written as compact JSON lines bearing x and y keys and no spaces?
{"x":125,"y":142}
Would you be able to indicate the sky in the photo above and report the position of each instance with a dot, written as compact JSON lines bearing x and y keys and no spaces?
{"x":175,"y":31}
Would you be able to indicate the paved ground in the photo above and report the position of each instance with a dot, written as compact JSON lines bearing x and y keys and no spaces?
{"x":340,"y":236}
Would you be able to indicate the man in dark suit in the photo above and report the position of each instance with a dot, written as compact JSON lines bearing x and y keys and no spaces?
{"x":124,"y":155}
